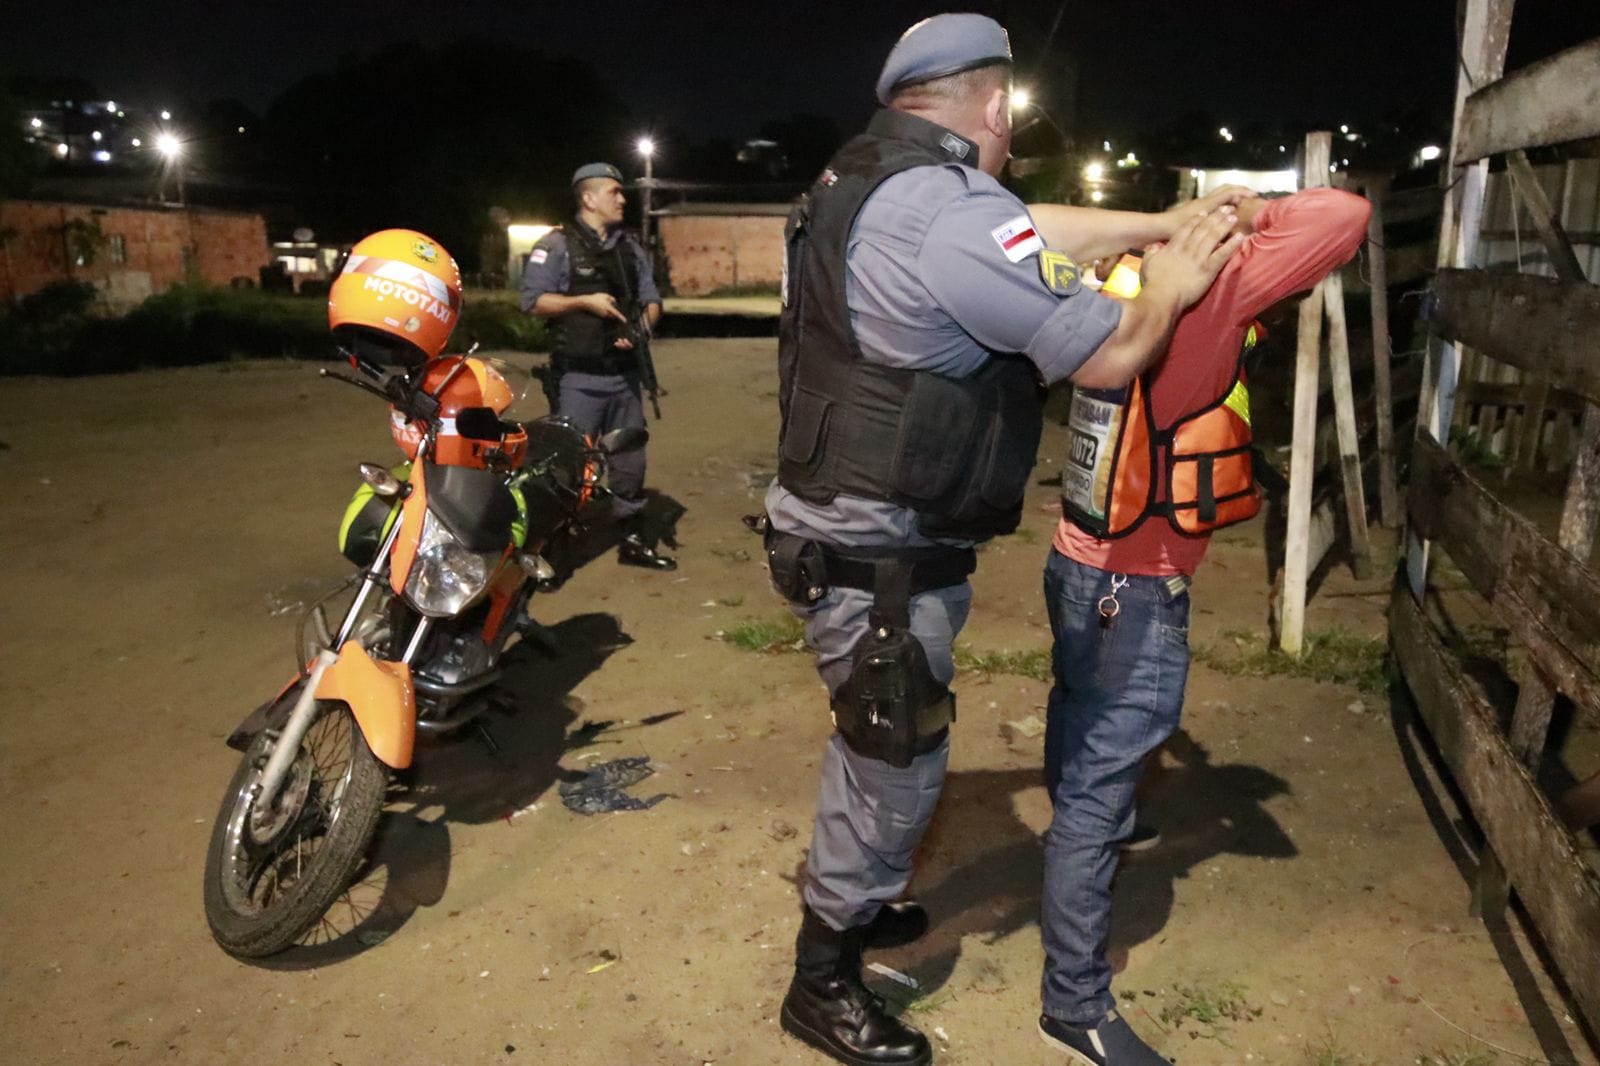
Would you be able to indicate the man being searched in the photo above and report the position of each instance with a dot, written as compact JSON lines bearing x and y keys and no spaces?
{"x":922,"y":314}
{"x":1151,"y":471}
{"x":593,"y":283}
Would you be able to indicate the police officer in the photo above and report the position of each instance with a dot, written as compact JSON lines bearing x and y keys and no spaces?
{"x":922,"y":314}
{"x":593,"y":282}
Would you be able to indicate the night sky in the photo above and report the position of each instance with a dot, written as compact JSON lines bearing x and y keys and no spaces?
{"x":719,"y":68}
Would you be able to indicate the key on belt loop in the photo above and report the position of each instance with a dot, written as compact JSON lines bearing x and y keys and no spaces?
{"x":1109,"y":607}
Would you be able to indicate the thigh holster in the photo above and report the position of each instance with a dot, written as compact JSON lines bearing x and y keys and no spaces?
{"x":891,"y":707}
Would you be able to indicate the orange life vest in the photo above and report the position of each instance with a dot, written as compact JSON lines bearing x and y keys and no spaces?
{"x":1117,"y":457}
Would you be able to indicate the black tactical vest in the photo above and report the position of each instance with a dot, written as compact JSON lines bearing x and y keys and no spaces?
{"x":956,"y":450}
{"x":584,"y":342}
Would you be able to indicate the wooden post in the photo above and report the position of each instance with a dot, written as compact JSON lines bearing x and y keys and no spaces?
{"x":1344,"y":411}
{"x":1382,"y":357}
{"x":1302,"y":455}
{"x":1485,"y":31}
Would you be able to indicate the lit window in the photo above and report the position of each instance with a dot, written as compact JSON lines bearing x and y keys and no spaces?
{"x":117,"y":248}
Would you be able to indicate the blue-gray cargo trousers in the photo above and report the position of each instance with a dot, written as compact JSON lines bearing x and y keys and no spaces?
{"x":870,"y":815}
{"x":598,"y":403}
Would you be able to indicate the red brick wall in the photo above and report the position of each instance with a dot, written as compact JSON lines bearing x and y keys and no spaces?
{"x":710,"y":252}
{"x":226,"y":245}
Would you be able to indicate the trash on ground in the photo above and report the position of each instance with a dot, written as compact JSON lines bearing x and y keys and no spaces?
{"x":892,"y":974}
{"x":599,"y":789}
{"x":1023,"y":729}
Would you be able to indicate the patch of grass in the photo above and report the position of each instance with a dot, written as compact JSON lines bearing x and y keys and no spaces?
{"x":1209,"y":1005}
{"x":1468,"y":1057}
{"x":1475,"y":451}
{"x":1328,"y":1052}
{"x":730,"y":601}
{"x":767,"y":289}
{"x":1034,"y":664}
{"x":1333,"y":655}
{"x":767,"y":635}
{"x":929,"y":1003}
{"x":63,"y":331}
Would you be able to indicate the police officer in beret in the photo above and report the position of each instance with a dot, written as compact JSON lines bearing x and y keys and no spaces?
{"x":923,"y":315}
{"x":594,"y":283}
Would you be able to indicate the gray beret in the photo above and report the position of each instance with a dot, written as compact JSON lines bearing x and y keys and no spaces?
{"x":595,"y":170}
{"x":940,"y":46}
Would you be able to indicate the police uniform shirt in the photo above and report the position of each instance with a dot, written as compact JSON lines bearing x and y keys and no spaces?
{"x":549,"y":269}
{"x":943,"y":267}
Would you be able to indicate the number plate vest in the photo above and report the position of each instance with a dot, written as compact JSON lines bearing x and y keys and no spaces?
{"x":583,"y":342}
{"x":1117,"y":457}
{"x":958,"y":451}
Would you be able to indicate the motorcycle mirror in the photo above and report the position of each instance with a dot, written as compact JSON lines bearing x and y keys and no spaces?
{"x":536,"y":567}
{"x":626,"y":439}
{"x":382,"y":481}
{"x":479,"y":423}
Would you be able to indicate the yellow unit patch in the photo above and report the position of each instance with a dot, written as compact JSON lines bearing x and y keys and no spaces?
{"x":1058,"y":272}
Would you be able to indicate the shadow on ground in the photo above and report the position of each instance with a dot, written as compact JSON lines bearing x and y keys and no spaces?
{"x":984,"y":866}
{"x":484,"y":772}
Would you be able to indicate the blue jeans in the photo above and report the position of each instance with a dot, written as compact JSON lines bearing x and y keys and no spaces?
{"x":1117,"y":695}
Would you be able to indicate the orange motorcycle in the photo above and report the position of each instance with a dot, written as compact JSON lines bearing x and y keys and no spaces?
{"x":448,"y":544}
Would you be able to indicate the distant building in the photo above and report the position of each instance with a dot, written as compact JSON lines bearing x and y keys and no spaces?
{"x":128,"y":253}
{"x":712,"y":247}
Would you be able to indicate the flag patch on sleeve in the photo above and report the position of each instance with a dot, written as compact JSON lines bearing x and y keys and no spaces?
{"x":538,"y":255}
{"x":1017,"y":238}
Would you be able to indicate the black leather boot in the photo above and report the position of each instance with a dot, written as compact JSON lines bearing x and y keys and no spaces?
{"x":635,"y":549}
{"x":894,"y":925}
{"x":829,"y":1008}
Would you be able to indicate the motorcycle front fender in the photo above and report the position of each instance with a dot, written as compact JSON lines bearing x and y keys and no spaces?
{"x":380,"y":696}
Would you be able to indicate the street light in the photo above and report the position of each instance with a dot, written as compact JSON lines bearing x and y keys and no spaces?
{"x":1020,"y":99}
{"x":646,"y":148}
{"x":171,"y":149}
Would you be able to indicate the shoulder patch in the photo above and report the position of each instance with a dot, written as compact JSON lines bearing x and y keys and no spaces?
{"x":1058,"y":272}
{"x":1017,"y":238}
{"x":538,"y":255}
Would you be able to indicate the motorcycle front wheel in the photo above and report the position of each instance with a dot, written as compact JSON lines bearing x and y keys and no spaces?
{"x":271,"y":873}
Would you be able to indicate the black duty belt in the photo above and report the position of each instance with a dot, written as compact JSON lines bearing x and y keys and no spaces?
{"x":609,"y":364}
{"x":930,"y":568}
{"x":803,"y":569}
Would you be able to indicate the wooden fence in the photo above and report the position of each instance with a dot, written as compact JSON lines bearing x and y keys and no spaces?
{"x":1541,"y":589}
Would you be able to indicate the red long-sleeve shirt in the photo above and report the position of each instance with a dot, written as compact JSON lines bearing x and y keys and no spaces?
{"x":1295,"y":241}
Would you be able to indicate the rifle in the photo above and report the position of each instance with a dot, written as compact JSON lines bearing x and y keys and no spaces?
{"x":639,"y":334}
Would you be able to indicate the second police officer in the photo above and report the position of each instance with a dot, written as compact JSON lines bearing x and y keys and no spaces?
{"x":594,"y":283}
{"x":922,"y":315}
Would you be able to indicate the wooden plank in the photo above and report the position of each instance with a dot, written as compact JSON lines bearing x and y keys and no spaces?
{"x":1550,"y":603}
{"x":1530,"y":723}
{"x":1344,"y":411}
{"x":1485,"y":30}
{"x":1549,"y":102}
{"x":1580,"y":514}
{"x":1556,"y":885}
{"x":1579,"y":805}
{"x":1382,"y":357}
{"x":1542,"y":325}
{"x":1302,"y":454}
{"x":1497,"y":394}
{"x":1546,"y":219}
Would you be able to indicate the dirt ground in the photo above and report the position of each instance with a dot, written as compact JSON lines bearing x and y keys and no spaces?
{"x":1308,"y":904}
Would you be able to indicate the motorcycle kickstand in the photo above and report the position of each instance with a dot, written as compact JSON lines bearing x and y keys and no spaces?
{"x":481,"y":731}
{"x":539,"y":635}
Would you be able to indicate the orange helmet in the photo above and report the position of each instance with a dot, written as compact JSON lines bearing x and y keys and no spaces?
{"x":457,"y":382}
{"x":396,"y":300}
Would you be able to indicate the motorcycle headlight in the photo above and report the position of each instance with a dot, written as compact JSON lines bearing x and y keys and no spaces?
{"x":446,"y":577}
